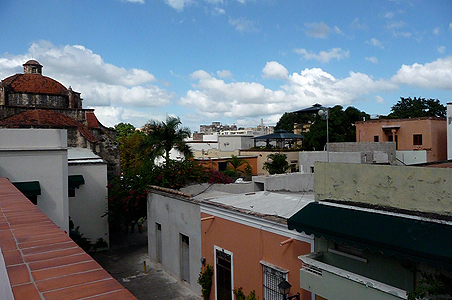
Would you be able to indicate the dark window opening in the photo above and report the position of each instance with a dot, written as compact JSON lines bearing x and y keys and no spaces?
{"x":376,"y":138}
{"x":417,"y":139}
{"x":222,"y":166}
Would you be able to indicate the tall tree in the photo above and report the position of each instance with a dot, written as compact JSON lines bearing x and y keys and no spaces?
{"x":124,"y":129}
{"x":289,"y":119}
{"x":276,"y":163}
{"x":417,"y":107}
{"x":341,"y":127}
{"x":161,"y":137}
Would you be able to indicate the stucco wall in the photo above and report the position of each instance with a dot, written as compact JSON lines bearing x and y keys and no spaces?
{"x":249,"y":246}
{"x":39,"y":154}
{"x":412,"y":188}
{"x":91,"y":201}
{"x":433,"y":131}
{"x":308,"y":158}
{"x":176,"y":216}
{"x":293,"y":182}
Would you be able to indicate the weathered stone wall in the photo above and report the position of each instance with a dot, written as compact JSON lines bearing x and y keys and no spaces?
{"x":418,"y":189}
{"x":37,"y":100}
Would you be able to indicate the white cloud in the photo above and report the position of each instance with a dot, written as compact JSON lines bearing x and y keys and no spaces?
{"x":243,"y":24}
{"x":402,"y":34}
{"x":380,"y":100}
{"x":389,"y":15}
{"x":224,"y":74}
{"x":434,"y":75}
{"x":375,"y":42}
{"x":178,"y":4}
{"x":441,"y":49}
{"x":98,"y":82}
{"x":450,"y":26}
{"x":274,"y":70}
{"x":436,"y":31}
{"x":318,"y":30}
{"x":135,"y":1}
{"x":324,"y":56}
{"x":214,"y":98}
{"x":395,"y":24}
{"x":372,"y":59}
{"x":358,"y":25}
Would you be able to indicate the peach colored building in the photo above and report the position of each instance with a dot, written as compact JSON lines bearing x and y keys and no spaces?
{"x":244,"y":237}
{"x":427,"y":134}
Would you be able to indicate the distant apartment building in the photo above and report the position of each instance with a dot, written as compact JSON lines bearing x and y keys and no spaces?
{"x":418,"y":140}
{"x":218,"y":128}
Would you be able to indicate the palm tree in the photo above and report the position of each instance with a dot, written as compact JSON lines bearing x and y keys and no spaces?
{"x":161,"y":137}
{"x":234,"y":164}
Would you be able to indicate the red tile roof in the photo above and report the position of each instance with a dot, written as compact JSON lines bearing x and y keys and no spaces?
{"x":91,"y":120}
{"x":34,"y":84}
{"x":40,"y":118}
{"x":42,"y":262}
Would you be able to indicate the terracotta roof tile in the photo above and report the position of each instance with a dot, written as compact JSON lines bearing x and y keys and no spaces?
{"x":34,"y":84}
{"x":47,"y":264}
{"x":91,"y":120}
{"x":46,"y":118}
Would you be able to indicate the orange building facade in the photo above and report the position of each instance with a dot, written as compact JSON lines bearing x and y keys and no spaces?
{"x":416,"y":134}
{"x":253,"y":255}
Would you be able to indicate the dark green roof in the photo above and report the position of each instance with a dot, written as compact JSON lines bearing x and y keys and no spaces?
{"x":413,"y":238}
{"x":75,"y":181}
{"x":28,"y":187}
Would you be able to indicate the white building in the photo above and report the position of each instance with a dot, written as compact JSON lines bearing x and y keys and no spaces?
{"x":62,"y":182}
{"x":88,"y":203}
{"x":36,"y":159}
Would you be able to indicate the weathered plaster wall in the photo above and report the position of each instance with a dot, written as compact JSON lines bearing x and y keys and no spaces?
{"x":293,"y":182}
{"x":176,"y":216}
{"x":308,"y":158}
{"x":412,"y":188}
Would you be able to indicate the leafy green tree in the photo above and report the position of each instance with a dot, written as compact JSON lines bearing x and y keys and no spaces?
{"x":341,"y":127}
{"x":417,"y":107}
{"x":161,"y":137}
{"x":289,"y":119}
{"x":124,"y":129}
{"x":276,"y":163}
{"x":133,"y":155}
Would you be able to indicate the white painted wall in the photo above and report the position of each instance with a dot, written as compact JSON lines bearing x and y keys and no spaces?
{"x":39,"y":154}
{"x":411,"y":157}
{"x":91,"y":200}
{"x":176,"y":216}
{"x":234,"y":142}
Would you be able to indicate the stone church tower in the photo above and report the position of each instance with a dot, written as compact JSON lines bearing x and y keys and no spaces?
{"x":32,"y":100}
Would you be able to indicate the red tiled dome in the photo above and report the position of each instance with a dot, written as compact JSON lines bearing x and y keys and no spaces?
{"x":34,"y":84}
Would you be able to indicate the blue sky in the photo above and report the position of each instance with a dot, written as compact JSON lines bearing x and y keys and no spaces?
{"x":235,"y":61}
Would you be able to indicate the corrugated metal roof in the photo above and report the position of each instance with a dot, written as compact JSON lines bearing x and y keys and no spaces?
{"x":280,"y":204}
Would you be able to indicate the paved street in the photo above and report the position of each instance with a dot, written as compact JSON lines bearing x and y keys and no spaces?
{"x":124,"y":261}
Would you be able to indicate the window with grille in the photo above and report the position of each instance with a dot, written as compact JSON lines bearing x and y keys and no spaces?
{"x":272,"y":277}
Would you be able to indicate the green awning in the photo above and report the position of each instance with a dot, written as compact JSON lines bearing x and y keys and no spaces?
{"x":28,"y":187}
{"x":75,"y":181}
{"x":414,"y":238}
